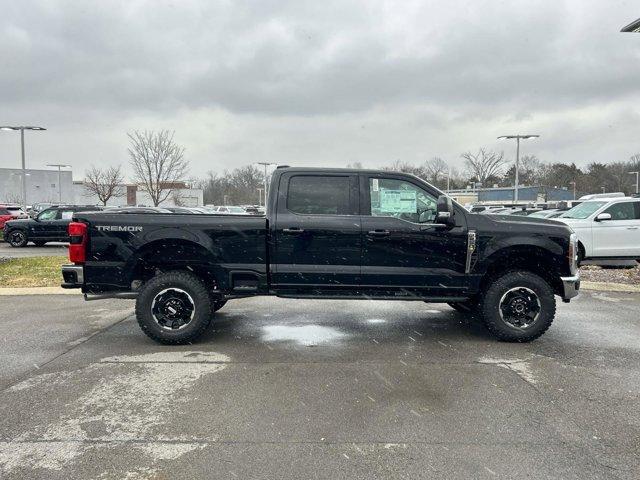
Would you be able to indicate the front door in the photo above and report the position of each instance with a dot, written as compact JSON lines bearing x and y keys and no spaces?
{"x":402,"y":247}
{"x":316,"y":231}
{"x":620,"y":236}
{"x":44,"y":225}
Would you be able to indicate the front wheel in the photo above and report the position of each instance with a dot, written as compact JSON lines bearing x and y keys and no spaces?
{"x":174,"y":308}
{"x":519,"y":306}
{"x":18,"y":238}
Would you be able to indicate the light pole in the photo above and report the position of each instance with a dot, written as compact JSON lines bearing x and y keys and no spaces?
{"x":24,"y":173}
{"x":260,"y":196}
{"x":574,"y":189}
{"x":637,"y":174}
{"x":266,"y":164}
{"x":59,"y":165}
{"x":518,"y":138}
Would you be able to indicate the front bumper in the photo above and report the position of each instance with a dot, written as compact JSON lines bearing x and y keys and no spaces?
{"x":570,"y":287}
{"x":73,"y":276}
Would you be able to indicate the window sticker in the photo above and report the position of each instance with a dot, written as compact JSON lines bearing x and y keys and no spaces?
{"x":375,"y":184}
{"x":398,"y":201}
{"x":67,"y":215}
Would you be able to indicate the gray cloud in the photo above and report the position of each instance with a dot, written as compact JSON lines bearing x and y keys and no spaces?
{"x":307,"y":82}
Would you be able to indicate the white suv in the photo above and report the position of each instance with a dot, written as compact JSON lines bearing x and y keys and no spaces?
{"x":606,"y":227}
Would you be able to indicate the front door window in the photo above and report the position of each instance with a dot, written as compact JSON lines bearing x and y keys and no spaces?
{"x":400,"y":199}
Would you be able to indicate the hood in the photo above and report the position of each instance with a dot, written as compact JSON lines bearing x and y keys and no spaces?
{"x":19,"y":221}
{"x":533,"y":224}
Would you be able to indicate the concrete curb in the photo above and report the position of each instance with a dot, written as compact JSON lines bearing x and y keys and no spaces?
{"x":37,"y":291}
{"x":609,"y":287}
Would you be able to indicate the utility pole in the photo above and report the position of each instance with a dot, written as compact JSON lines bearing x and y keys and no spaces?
{"x":260,"y":196}
{"x":637,"y":174}
{"x":517,"y":138}
{"x":59,"y":165}
{"x":265,"y":164}
{"x":574,"y":189}
{"x":24,"y":170}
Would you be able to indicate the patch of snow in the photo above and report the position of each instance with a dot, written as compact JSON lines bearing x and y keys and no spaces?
{"x":306,"y":335}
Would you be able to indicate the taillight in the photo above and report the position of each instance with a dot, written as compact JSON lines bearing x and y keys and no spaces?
{"x":77,"y":242}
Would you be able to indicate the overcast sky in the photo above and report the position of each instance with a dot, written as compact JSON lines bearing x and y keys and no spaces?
{"x":319,"y":83}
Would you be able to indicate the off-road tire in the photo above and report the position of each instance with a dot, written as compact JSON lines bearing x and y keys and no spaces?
{"x":202,"y":311}
{"x":494,"y":292}
{"x":18,"y":238}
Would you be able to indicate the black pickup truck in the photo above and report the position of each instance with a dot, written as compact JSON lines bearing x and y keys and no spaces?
{"x":50,"y":225}
{"x":328,"y":233}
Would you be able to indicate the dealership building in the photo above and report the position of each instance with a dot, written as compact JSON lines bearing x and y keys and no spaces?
{"x":42,"y":186}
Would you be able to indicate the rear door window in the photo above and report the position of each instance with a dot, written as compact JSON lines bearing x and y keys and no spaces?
{"x":318,"y":195}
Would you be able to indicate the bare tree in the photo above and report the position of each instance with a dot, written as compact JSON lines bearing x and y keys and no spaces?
{"x":484,"y":165}
{"x":104,"y":184}
{"x":435,"y":170}
{"x":158,"y":163}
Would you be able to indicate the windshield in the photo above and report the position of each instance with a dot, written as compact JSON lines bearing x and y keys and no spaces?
{"x":583,"y":210}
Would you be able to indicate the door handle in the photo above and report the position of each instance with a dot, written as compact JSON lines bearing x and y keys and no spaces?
{"x":379,"y":233}
{"x":292,"y":230}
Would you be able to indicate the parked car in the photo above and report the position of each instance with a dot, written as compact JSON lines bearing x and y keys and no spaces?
{"x":329,"y":233}
{"x":5,"y":215}
{"x":49,"y":226}
{"x":139,"y":210}
{"x":38,"y":207}
{"x":229,"y":210}
{"x":549,"y":213}
{"x":606,"y":228}
{"x":16,"y":211}
{"x":182,"y":210}
{"x":524,"y":212}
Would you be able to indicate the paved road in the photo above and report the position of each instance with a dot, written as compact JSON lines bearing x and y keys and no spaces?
{"x":48,"y":250}
{"x":318,"y":389}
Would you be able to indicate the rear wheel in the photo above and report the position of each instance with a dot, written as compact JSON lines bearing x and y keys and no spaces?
{"x":174,"y":308}
{"x":18,"y":238}
{"x":519,"y":306}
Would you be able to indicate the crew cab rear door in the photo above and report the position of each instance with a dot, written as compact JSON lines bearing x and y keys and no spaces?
{"x":316,"y":231}
{"x":402,"y":247}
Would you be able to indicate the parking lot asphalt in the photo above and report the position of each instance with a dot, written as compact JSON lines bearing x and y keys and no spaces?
{"x":49,"y":250}
{"x":318,"y":389}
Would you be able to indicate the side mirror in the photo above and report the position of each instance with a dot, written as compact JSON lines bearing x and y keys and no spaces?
{"x":444,"y":211}
{"x":603,"y":216}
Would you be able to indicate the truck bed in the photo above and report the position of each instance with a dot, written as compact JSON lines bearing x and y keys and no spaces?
{"x":120,"y":245}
